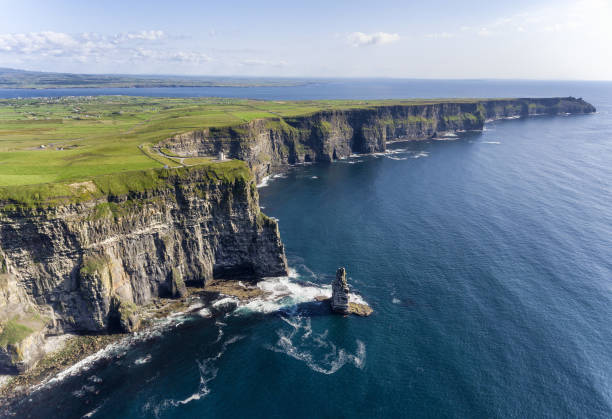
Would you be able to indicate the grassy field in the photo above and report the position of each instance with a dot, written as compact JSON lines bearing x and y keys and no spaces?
{"x":74,"y":138}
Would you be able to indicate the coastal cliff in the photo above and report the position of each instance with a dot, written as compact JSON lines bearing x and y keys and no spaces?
{"x":85,"y":262}
{"x":84,"y":257}
{"x":267,"y":144}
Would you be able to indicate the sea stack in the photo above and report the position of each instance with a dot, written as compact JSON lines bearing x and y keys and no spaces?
{"x":340,"y":292}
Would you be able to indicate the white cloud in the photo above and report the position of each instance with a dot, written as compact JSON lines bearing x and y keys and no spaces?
{"x":84,"y":44}
{"x":175,"y":56}
{"x":145,"y":35}
{"x":37,"y":42}
{"x":438,"y":35}
{"x":91,"y":46}
{"x":360,"y":39}
{"x":583,"y":16}
{"x":260,"y":62}
{"x":148,"y":49}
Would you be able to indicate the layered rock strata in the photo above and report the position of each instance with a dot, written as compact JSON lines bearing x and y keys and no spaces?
{"x":87,"y":266}
{"x":268,"y":144}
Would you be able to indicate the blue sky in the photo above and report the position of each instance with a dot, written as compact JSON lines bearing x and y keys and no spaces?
{"x":543,"y":39}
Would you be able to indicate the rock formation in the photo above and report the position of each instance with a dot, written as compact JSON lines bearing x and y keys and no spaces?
{"x":340,"y":292}
{"x":87,"y":265}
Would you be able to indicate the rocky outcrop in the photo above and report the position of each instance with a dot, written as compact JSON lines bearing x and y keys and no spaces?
{"x":268,"y":144}
{"x":340,"y":299}
{"x":88,"y":265}
{"x":340,"y":292}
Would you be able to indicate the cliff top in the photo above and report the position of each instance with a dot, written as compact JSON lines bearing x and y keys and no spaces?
{"x":54,"y":142}
{"x":119,"y":184}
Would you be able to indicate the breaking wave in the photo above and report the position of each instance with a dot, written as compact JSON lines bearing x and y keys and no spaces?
{"x":284,"y":293}
{"x":264,"y":182}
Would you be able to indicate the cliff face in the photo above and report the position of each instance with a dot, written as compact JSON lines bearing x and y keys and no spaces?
{"x":84,"y":267}
{"x":497,"y":109}
{"x":83,"y":257}
{"x":333,"y":134}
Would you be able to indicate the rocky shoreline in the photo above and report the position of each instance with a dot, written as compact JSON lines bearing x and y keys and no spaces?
{"x":120,"y":252}
{"x":198,"y":301}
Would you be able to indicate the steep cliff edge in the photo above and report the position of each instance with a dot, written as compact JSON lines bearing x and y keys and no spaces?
{"x":266,"y":144}
{"x":84,"y":261}
{"x":83,"y":257}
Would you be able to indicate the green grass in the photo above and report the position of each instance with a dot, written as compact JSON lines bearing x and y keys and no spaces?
{"x":119,"y":184}
{"x":12,"y":333}
{"x":49,"y":144}
{"x":74,"y":138}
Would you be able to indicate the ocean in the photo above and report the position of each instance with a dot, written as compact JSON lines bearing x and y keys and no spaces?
{"x":487,"y":259}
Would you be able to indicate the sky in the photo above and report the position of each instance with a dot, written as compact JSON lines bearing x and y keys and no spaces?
{"x":518,"y":39}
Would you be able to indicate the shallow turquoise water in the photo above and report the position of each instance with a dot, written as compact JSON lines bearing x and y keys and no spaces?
{"x":487,"y":260}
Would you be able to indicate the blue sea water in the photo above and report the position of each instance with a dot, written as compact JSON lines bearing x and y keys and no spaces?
{"x":487,"y":259}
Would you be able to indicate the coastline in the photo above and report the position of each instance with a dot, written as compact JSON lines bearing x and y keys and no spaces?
{"x":83,"y":348}
{"x":79,"y":353}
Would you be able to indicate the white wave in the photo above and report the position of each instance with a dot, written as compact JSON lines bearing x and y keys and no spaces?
{"x":143,"y":360}
{"x":314,"y":177}
{"x":204,"y":313}
{"x":282,"y":293}
{"x":397,"y":158}
{"x":92,"y":412}
{"x":420,"y":155}
{"x":195,"y":306}
{"x":220,"y":333}
{"x":280,"y":176}
{"x":95,"y":379}
{"x":225,"y":302}
{"x":83,"y":390}
{"x":285,"y":293}
{"x":114,"y":350}
{"x":316,"y":350}
{"x":264,"y":182}
{"x":490,"y":142}
{"x":208,"y":372}
{"x":395,"y":300}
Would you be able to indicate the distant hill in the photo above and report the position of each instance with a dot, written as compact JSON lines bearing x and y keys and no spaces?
{"x":22,"y":79}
